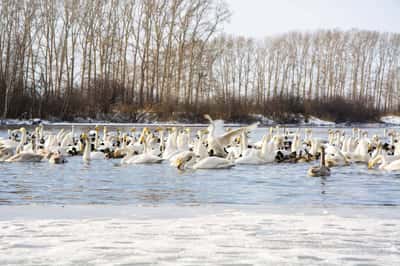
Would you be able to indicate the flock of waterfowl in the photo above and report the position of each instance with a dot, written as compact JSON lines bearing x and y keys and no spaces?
{"x":213,"y":148}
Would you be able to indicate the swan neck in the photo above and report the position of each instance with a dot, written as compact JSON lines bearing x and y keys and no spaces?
{"x":212,"y":130}
{"x":244,"y":141}
{"x":146,"y":147}
{"x":96,"y":141}
{"x":322,"y":157}
{"x":86,"y":151}
{"x":21,"y":142}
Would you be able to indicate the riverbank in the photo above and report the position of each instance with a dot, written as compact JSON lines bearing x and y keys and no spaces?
{"x":149,"y":119}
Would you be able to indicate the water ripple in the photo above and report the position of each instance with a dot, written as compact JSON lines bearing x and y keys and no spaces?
{"x":107,"y":182}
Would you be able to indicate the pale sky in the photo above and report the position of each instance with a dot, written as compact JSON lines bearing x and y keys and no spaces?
{"x":259,"y":18}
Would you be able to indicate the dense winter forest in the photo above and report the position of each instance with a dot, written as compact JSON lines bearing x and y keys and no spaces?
{"x":85,"y":58}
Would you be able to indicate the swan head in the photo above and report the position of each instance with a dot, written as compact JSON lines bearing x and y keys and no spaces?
{"x":278,"y":140}
{"x":180,"y":162}
{"x":237,"y":140}
{"x":373,"y":162}
{"x":151,"y":139}
{"x":200,"y":133}
{"x":204,"y":131}
{"x":84,"y":137}
{"x":171,"y":130}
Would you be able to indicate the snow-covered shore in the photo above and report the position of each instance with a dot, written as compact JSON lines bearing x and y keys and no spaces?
{"x":97,"y":235}
{"x":391,"y":120}
{"x":310,"y":121}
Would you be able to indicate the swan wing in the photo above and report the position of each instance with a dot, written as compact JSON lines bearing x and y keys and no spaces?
{"x":96,"y":155}
{"x":216,"y":127}
{"x":213,"y":163}
{"x":144,"y":158}
{"x":181,"y":155}
{"x":227,"y":138}
{"x":251,"y":157}
{"x":25,"y":157}
{"x":393,"y":166}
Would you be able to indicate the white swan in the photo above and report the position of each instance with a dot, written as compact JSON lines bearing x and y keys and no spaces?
{"x":393,"y":166}
{"x":25,"y":157}
{"x":268,"y":149}
{"x":389,"y":163}
{"x":144,"y":158}
{"x":189,"y":160}
{"x":147,"y":157}
{"x":360,"y":154}
{"x":171,"y":147}
{"x":217,"y":143}
{"x":6,"y":153}
{"x":249,"y":155}
{"x":183,"y":139}
{"x":89,"y":155}
{"x":335,"y":157}
{"x":8,"y":147}
{"x":213,"y":163}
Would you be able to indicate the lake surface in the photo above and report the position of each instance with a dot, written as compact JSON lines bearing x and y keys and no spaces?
{"x":106,"y":213}
{"x":109,"y":182}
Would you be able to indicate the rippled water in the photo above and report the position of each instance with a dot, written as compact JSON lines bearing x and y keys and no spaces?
{"x":108,"y":182}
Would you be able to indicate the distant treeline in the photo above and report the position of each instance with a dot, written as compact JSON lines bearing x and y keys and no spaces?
{"x":84,"y":58}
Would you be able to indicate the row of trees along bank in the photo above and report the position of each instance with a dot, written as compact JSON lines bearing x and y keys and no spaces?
{"x":81,"y":58}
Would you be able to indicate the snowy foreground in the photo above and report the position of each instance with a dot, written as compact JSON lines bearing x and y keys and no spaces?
{"x":207,"y":235}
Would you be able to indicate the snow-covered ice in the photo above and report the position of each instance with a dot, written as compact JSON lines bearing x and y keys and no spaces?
{"x":391,"y":119}
{"x":194,"y":236}
{"x":315,"y":121}
{"x":23,"y":122}
{"x":263,"y":119}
